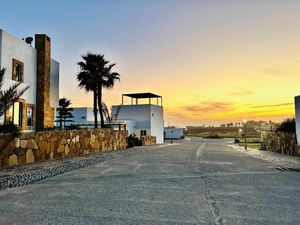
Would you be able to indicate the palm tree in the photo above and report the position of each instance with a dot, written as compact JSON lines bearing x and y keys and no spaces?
{"x":10,"y":96}
{"x":64,"y":112}
{"x":106,"y":80}
{"x":95,"y":75}
{"x":87,"y":77}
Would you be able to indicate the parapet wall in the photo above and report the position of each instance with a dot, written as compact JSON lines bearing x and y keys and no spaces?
{"x":281,"y":142}
{"x":148,"y":140}
{"x":40,"y":146}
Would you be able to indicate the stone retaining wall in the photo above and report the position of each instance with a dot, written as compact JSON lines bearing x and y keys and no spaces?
{"x":39,"y":146}
{"x":148,"y":140}
{"x":282,"y":142}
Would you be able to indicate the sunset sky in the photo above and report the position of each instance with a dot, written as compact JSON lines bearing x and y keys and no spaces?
{"x":212,"y":61}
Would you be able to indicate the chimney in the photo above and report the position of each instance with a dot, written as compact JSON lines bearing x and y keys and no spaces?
{"x":44,"y":113}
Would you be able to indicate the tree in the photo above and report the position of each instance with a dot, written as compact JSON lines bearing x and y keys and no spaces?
{"x":106,"y":80}
{"x":64,"y":112}
{"x":9,"y":96}
{"x":87,"y":77}
{"x":95,"y":75}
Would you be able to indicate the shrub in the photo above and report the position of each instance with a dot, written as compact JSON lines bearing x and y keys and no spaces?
{"x":132,"y":141}
{"x":9,"y":128}
{"x":45,"y":128}
{"x":73,"y":127}
{"x":213,"y":136}
{"x":288,"y":125}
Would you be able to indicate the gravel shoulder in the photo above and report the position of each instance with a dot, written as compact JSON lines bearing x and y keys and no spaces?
{"x":282,"y":160}
{"x":30,"y":173}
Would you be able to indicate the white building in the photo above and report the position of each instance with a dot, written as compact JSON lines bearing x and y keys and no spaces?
{"x":33,"y":67}
{"x":297,"y":119}
{"x":141,"y":118}
{"x":83,"y":116}
{"x":173,"y":133}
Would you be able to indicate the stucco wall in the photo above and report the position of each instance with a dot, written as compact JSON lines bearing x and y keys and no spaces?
{"x":147,"y":117}
{"x":39,"y":146}
{"x":11,"y":47}
{"x":139,"y":113}
{"x":54,"y":84}
{"x":157,"y":123}
{"x":78,"y":113}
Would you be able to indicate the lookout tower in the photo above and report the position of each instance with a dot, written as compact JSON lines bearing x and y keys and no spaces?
{"x":143,"y":114}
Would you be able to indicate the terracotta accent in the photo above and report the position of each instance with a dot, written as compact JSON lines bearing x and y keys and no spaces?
{"x":44,"y":113}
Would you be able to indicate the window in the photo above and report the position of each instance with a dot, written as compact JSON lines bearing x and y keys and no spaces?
{"x":83,"y":117}
{"x":29,"y":115}
{"x":18,"y":71}
{"x":15,"y":114}
{"x":143,"y":133}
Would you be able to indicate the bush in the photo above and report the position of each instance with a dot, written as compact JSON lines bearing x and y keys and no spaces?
{"x":73,"y":127}
{"x":9,"y":128}
{"x":132,"y":141}
{"x":213,"y":136}
{"x":288,"y":126}
{"x":45,"y":128}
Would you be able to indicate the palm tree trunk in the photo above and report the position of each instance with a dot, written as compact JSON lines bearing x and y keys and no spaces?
{"x":95,"y":108}
{"x":100,"y":105}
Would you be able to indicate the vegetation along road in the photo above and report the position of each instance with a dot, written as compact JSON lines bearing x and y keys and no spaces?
{"x":197,"y":181}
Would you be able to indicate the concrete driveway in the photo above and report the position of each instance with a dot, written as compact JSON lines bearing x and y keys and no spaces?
{"x":194,"y":181}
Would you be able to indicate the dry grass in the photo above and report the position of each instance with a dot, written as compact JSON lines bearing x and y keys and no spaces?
{"x":225,"y":132}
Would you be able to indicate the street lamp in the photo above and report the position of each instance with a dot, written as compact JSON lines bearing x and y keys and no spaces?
{"x":245,"y":133}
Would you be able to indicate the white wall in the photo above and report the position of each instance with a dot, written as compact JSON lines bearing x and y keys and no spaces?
{"x":11,"y":47}
{"x":130,"y":126}
{"x":157,"y":123}
{"x":90,"y":115}
{"x":78,"y":113}
{"x":173,"y":133}
{"x":54,"y":84}
{"x":297,"y":112}
{"x":147,"y":117}
{"x":138,"y":113}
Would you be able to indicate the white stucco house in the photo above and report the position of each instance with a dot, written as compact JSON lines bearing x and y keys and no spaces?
{"x":83,"y":116}
{"x":173,"y":133}
{"x":33,"y":67}
{"x":143,"y":115}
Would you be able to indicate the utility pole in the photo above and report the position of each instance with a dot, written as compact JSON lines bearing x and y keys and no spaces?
{"x":245,"y":134}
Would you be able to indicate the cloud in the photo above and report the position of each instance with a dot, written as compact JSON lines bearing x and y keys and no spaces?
{"x":275,"y":71}
{"x":273,"y":106}
{"x":241,"y":93}
{"x":208,"y":107}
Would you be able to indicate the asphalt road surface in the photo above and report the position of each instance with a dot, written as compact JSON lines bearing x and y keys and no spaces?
{"x":191,"y":182}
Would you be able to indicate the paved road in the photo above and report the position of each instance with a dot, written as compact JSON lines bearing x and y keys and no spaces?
{"x":193,"y":182}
